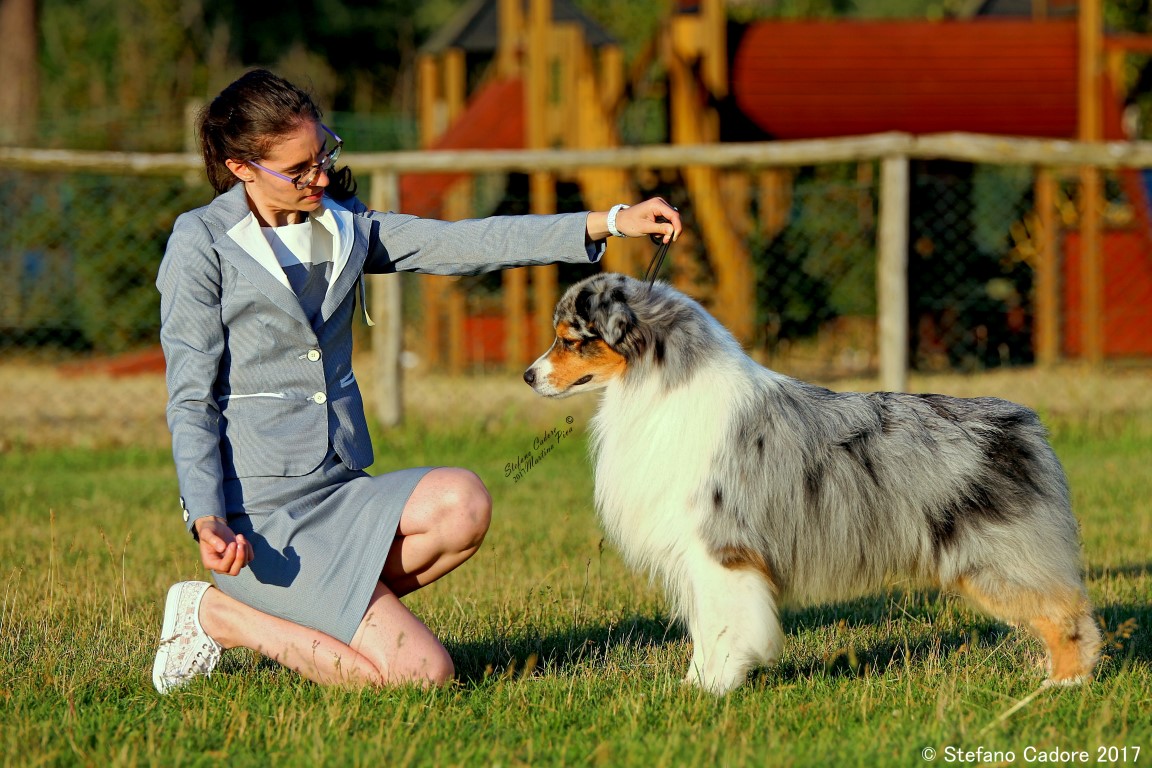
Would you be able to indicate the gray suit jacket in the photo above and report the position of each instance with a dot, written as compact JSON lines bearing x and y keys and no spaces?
{"x":253,"y":388}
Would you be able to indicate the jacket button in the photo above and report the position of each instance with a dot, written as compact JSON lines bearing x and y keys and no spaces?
{"x":320,"y":398}
{"x":313,"y":355}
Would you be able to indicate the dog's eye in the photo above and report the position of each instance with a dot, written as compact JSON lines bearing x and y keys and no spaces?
{"x":570,"y":343}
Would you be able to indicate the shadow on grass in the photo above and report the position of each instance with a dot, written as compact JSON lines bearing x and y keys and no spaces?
{"x":1127,"y":631}
{"x":912,"y":642}
{"x":910,"y":619}
{"x":1129,"y":570}
{"x":562,"y":652}
{"x":593,"y":644}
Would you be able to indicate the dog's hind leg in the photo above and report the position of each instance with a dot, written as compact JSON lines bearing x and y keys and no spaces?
{"x":1060,"y":616}
{"x":732,"y":618}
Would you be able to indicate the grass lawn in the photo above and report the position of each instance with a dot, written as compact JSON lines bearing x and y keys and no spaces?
{"x":564,"y":656}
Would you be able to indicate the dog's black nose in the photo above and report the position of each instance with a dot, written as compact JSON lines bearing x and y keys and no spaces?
{"x":530,"y":376}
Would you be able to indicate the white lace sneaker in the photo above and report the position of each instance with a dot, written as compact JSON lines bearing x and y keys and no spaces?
{"x":185,"y":651}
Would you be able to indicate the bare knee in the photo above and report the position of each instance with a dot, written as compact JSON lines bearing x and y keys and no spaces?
{"x":430,"y":668}
{"x":464,"y":508}
{"x":440,"y":669}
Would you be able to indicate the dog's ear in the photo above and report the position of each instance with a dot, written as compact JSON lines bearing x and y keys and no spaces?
{"x":618,"y":324}
{"x":607,"y":313}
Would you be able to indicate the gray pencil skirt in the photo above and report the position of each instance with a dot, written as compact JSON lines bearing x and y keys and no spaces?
{"x":320,"y":541}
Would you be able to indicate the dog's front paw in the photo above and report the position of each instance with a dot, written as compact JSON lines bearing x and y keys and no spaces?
{"x":717,"y":683}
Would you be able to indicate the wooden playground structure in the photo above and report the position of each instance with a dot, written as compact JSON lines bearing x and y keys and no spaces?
{"x":556,"y":80}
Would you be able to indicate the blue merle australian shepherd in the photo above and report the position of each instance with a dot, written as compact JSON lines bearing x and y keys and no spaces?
{"x":739,"y":487}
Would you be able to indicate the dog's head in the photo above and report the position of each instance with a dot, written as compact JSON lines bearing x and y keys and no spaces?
{"x":606,"y":327}
{"x":592,"y":320}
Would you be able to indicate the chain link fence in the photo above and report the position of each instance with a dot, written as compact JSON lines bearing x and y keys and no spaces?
{"x":79,"y":254}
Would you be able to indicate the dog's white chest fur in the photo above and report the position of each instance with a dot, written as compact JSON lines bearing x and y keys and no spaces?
{"x":654,"y":450}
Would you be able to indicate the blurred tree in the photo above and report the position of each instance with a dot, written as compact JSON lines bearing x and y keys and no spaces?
{"x":1134,"y":16}
{"x":19,"y":71}
{"x":118,"y":75}
{"x":365,"y":44}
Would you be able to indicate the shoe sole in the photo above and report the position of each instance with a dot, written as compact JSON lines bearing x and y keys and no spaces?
{"x":167,"y":630}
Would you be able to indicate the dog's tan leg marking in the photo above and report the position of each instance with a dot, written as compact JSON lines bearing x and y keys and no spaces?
{"x":1073,"y":645}
{"x":1062,"y":621}
{"x":742,"y":558}
{"x":732,"y":617}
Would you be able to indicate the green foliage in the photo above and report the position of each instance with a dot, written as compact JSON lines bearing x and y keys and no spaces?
{"x":822,"y":265}
{"x":118,"y":75}
{"x":564,"y":655}
{"x":122,"y":75}
{"x":90,"y":247}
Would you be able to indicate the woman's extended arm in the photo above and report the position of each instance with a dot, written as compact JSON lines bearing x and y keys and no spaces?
{"x":406,"y":243}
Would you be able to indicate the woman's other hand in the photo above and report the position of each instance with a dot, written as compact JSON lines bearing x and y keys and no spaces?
{"x":222,"y":550}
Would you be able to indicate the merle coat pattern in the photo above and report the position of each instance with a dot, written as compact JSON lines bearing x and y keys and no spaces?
{"x":739,"y":487}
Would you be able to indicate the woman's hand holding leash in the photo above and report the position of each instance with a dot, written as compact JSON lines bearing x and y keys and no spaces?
{"x":654,"y":217}
{"x":222,"y":550}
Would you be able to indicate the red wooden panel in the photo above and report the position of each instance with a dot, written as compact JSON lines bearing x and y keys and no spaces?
{"x":494,"y":119}
{"x":809,"y":79}
{"x":486,"y":342}
{"x":1127,"y":294}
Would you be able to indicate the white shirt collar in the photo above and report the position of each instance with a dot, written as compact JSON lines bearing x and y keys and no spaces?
{"x":331,"y":215}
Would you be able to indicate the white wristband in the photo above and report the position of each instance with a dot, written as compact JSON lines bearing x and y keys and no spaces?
{"x":612,"y":220}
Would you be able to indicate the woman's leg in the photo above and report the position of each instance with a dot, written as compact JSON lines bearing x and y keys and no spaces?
{"x":442,"y":525}
{"x":400,"y":646}
{"x":391,"y":646}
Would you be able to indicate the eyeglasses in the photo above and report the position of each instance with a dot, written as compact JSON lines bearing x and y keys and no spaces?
{"x":305,"y":179}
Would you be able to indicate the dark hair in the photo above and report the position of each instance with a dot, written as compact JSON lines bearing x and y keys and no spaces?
{"x":245,"y":121}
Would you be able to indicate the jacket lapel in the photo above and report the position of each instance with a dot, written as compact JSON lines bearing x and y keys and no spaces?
{"x":239,"y":241}
{"x":350,"y":234}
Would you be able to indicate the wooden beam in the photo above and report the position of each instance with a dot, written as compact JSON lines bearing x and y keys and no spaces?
{"x":1047,"y":296}
{"x":1128,"y":43}
{"x":1091,"y":267}
{"x":963,"y":147}
{"x":565,"y":44}
{"x":611,"y":79}
{"x":388,"y":332}
{"x":775,"y":201}
{"x":1090,"y":129}
{"x":538,"y":79}
{"x":515,"y":317}
{"x":20,"y":71}
{"x":714,"y":43}
{"x":428,"y":99}
{"x":545,"y":280}
{"x":449,"y":298}
{"x":892,"y":274}
{"x":457,"y":311}
{"x":455,"y":84}
{"x":511,"y":38}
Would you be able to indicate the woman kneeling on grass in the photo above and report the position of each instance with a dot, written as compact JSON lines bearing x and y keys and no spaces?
{"x":311,"y":554}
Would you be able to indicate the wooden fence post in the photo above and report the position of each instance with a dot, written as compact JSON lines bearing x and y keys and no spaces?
{"x":892,"y":274}
{"x":1090,"y":21}
{"x":1047,"y":270}
{"x":388,"y":333}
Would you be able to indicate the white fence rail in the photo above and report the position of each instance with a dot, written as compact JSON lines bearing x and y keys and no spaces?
{"x":892,"y":150}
